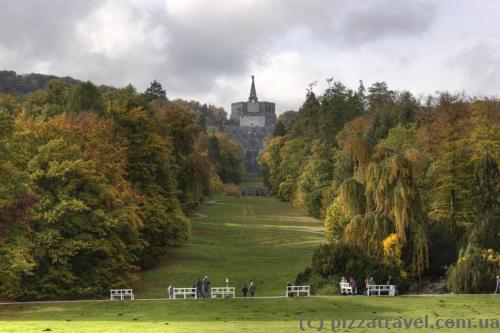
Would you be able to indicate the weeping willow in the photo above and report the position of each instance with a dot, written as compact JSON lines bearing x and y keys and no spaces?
{"x":420,"y":251}
{"x":358,"y":153}
{"x":386,"y":202}
{"x":352,"y":197}
{"x":349,"y":203}
{"x":368,"y":232}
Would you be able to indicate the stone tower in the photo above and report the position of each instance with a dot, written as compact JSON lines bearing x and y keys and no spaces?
{"x":251,"y":122}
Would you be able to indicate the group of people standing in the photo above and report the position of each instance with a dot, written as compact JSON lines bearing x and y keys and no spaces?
{"x":250,"y":288}
{"x":202,"y":287}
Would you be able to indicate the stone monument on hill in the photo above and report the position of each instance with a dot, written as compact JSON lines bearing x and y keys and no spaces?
{"x":251,"y":122}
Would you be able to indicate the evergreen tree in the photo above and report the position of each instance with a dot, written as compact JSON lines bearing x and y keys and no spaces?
{"x":361,"y":95}
{"x":379,"y":95}
{"x":155,"y":92}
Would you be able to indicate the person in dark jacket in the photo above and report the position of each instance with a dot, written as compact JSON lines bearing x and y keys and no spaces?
{"x":199,"y":288}
{"x":170,"y":291}
{"x":193,"y":290}
{"x":252,"y":289}
{"x":206,"y":287}
{"x":244,"y":290}
{"x":497,"y":290}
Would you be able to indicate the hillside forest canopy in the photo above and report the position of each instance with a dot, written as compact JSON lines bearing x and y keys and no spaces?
{"x":406,"y":187}
{"x":98,"y":183}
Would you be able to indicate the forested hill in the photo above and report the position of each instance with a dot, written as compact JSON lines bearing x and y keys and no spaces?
{"x":98,"y":184}
{"x":20,"y":84}
{"x":406,"y":187}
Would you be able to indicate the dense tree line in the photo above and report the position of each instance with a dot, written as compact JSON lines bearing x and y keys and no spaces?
{"x":96,"y":184}
{"x":411,"y":184}
{"x":21,"y":84}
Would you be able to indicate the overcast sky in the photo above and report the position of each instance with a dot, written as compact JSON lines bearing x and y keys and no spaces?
{"x":207,"y":49}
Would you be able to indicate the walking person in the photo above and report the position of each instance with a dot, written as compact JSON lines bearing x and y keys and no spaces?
{"x":244,"y":290}
{"x":289,"y":289}
{"x":497,"y":290}
{"x":354,"y":287}
{"x":252,"y":289}
{"x":206,"y":287}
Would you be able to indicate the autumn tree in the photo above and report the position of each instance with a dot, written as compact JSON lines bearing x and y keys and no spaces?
{"x":86,"y":224}
{"x":85,"y":97}
{"x":16,"y":202}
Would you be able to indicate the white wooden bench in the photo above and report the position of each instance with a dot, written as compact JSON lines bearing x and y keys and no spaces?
{"x":297,"y":290}
{"x":223,"y":292}
{"x":381,"y":288}
{"x":185,"y":292}
{"x":345,"y":288}
{"x":121,"y":293}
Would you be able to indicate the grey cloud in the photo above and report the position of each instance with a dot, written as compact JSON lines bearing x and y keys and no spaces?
{"x":189,"y":54}
{"x":381,"y":19}
{"x":480,"y":67}
{"x":208,"y":45}
{"x":221,"y":43}
{"x":36,"y":30}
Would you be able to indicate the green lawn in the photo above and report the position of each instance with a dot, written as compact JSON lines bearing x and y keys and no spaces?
{"x":247,"y":238}
{"x":243,"y":315}
{"x":244,"y":239}
{"x":251,"y":180}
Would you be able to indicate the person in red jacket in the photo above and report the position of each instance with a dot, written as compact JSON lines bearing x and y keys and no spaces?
{"x":353,"y":285}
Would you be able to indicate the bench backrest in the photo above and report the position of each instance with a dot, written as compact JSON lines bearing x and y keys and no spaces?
{"x":345,"y":285}
{"x":182,"y":291}
{"x":226,"y":290}
{"x":379,"y":287}
{"x":121,"y":291}
{"x":298,"y":288}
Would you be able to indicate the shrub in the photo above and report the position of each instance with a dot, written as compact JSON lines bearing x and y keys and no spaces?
{"x":231,"y":189}
{"x":474,"y":271}
{"x":216,"y":185}
{"x":332,"y":261}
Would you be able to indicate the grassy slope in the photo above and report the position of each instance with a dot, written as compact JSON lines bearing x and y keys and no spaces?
{"x":244,"y":239}
{"x":251,"y":180}
{"x":239,"y":315}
